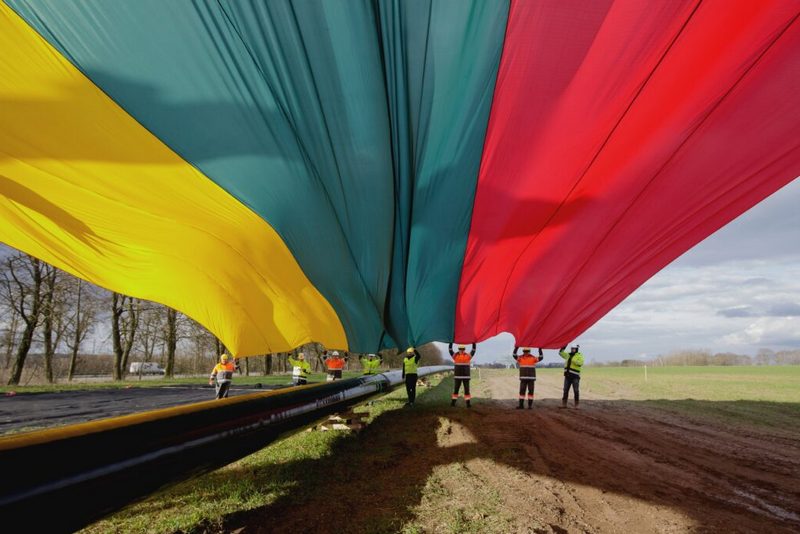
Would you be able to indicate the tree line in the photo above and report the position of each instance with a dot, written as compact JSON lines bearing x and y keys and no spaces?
{"x":764,"y":356}
{"x":50,"y":317}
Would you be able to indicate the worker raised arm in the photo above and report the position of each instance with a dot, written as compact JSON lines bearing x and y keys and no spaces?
{"x":573,"y":362}
{"x":370,"y":363}
{"x":462,"y":362}
{"x":410,"y":360}
{"x":335,"y":364}
{"x":300,"y":369}
{"x":527,"y":374}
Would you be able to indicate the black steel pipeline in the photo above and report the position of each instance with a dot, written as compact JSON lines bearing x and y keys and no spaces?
{"x":62,"y":479}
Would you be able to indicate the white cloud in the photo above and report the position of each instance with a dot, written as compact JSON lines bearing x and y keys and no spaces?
{"x":782,"y":331}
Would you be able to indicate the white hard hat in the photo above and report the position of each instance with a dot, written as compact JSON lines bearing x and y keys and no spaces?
{"x":336,"y":353}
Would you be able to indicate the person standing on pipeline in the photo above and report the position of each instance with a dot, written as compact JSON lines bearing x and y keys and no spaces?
{"x":573,"y":361}
{"x":462,"y":362}
{"x":527,"y":374}
{"x":410,"y":363}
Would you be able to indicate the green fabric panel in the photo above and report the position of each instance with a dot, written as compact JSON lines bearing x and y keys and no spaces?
{"x":280,"y":104}
{"x":441,"y":61}
{"x":355,"y":129}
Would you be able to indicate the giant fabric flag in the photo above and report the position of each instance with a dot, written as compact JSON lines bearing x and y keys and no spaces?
{"x":386,"y":173}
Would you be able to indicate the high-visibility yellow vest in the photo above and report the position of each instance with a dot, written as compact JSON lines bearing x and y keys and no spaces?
{"x":300,"y":369}
{"x":572,"y":366}
{"x":410,"y":365}
{"x":370,"y":366}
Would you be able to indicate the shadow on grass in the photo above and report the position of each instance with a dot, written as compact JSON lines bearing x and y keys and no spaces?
{"x":649,"y":451}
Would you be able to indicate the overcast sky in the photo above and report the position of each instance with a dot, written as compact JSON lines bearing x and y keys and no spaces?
{"x":738,"y":291}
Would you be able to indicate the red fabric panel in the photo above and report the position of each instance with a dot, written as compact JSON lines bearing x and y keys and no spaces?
{"x":622,"y":133}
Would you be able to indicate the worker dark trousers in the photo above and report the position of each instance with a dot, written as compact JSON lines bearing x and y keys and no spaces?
{"x":574,"y":381}
{"x":222,"y":389}
{"x":297,"y":381}
{"x":411,"y":387}
{"x":526,"y":385}
{"x":458,"y":382}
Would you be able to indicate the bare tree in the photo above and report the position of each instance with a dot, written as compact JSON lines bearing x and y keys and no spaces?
{"x":54,"y":311}
{"x":202,"y":343}
{"x":149,"y":332}
{"x":219,"y":346}
{"x":171,"y":341}
{"x":10,"y":333}
{"x":80,"y":320}
{"x":124,"y":322}
{"x":21,"y":286}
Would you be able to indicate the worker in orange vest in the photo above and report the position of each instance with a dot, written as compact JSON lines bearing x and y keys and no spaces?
{"x":335,"y":364}
{"x":223,"y":374}
{"x":527,"y":374}
{"x":462,"y":363}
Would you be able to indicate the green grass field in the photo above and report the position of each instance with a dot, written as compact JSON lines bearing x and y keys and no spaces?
{"x":752,"y":383}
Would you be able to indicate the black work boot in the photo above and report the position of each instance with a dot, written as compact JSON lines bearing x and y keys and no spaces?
{"x":469,"y":405}
{"x":576,"y":404}
{"x":530,"y":404}
{"x":521,"y":402}
{"x":452,"y":402}
{"x":563,"y":403}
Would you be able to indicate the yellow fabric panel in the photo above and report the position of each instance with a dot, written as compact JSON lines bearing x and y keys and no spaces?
{"x":88,"y":189}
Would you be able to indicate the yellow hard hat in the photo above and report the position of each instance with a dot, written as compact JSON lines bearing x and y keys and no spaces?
{"x":462,"y":347}
{"x":224,"y":358}
{"x":410,"y":350}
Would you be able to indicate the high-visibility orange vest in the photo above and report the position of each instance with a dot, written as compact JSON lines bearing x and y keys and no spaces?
{"x":223,"y":372}
{"x":527,"y":366}
{"x":335,"y":363}
{"x":462,"y":364}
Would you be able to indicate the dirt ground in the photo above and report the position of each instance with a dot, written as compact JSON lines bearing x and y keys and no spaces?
{"x":31,"y":411}
{"x":612,"y":466}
